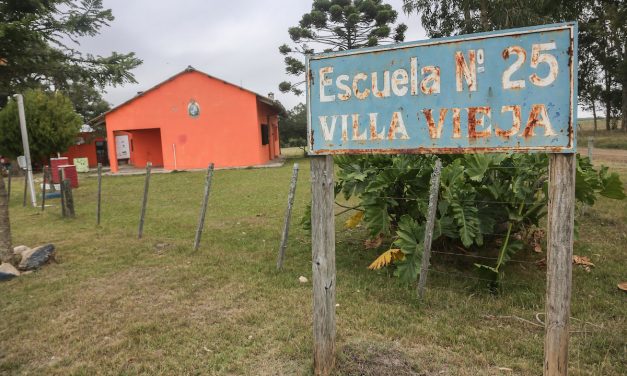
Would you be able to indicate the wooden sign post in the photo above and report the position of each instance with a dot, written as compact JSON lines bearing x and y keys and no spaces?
{"x":510,"y":91}
{"x":323,"y":263}
{"x":559,"y":263}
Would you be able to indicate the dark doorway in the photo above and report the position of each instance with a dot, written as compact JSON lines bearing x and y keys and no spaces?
{"x":102,"y":154}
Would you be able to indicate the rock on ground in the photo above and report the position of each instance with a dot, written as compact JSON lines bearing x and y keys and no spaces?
{"x":36,"y":257}
{"x":8,"y":271}
{"x":17,"y":252}
{"x":20,"y":249}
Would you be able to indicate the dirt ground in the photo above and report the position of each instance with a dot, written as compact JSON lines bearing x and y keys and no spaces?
{"x":613,"y":155}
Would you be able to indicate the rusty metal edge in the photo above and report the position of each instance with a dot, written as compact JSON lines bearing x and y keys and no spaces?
{"x":444,"y":150}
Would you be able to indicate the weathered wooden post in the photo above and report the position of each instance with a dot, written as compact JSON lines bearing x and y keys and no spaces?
{"x":323,"y":263}
{"x":590,"y":148}
{"x":142,"y":215}
{"x":43,"y":190}
{"x":99,"y":197}
{"x":66,"y":192}
{"x":561,"y":218}
{"x":433,"y":206}
{"x":288,"y":215}
{"x":10,"y":173}
{"x":203,"y":208}
{"x":62,"y":192}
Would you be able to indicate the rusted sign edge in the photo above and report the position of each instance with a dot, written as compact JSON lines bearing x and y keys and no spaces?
{"x":454,"y":39}
{"x":572,"y":62}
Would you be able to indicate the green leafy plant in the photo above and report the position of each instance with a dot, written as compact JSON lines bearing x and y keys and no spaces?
{"x":485,"y":202}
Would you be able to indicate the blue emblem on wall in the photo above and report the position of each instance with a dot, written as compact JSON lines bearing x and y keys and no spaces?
{"x":193,"y":109}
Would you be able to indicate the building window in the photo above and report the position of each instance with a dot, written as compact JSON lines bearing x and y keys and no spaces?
{"x":265,"y":134}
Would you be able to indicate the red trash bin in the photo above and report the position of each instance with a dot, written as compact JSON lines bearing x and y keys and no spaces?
{"x":55,"y":163}
{"x":69,"y":173}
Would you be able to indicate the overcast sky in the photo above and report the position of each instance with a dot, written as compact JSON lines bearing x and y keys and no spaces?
{"x":235,"y":40}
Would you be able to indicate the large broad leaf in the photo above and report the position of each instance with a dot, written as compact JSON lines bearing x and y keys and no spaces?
{"x":386,"y":258}
{"x":410,"y":235}
{"x":466,"y":217}
{"x":613,"y":187}
{"x":408,"y":269}
{"x":376,"y":215}
{"x":476,"y":166}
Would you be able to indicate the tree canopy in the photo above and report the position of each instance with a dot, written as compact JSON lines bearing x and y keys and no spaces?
{"x":38,"y":47}
{"x":602,"y":37}
{"x":51,"y":122}
{"x":293,"y":128}
{"x":338,"y":25}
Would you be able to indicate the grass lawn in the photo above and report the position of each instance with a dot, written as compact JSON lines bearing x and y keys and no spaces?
{"x":116,"y":305}
{"x":615,"y":139}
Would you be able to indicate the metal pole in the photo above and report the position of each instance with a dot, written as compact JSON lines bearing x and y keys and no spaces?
{"x":25,"y":188}
{"x":29,"y":167}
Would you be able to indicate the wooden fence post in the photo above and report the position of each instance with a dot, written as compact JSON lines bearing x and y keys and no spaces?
{"x":63,"y":209}
{"x":590,"y":148}
{"x":323,"y":263}
{"x":203,"y":208}
{"x":433,"y":206}
{"x":10,"y":170}
{"x":561,"y":215}
{"x":66,"y":192}
{"x":99,"y":194}
{"x":288,"y":215}
{"x":43,"y":190}
{"x":140,"y":232}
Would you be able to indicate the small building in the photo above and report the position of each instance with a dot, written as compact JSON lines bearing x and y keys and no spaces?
{"x":89,"y":145}
{"x":190,"y":120}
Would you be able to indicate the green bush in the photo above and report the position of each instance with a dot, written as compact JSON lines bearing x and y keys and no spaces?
{"x":484,"y":199}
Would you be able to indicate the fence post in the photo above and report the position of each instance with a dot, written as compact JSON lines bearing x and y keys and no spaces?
{"x":203,"y":208}
{"x":433,"y":206}
{"x":140,"y":232}
{"x":62,"y":191}
{"x":561,"y":216}
{"x":323,"y":263}
{"x":43,"y":190}
{"x":288,"y":215}
{"x":590,"y":148}
{"x":99,"y":194}
{"x":10,"y":170}
{"x":66,"y":191}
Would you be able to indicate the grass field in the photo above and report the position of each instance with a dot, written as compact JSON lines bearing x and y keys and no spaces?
{"x":116,"y":305}
{"x":614,"y":139}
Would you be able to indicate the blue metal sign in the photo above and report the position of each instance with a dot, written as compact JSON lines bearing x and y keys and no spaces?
{"x":507,"y":91}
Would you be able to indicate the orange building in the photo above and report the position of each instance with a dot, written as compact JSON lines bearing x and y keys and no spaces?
{"x":190,"y":120}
